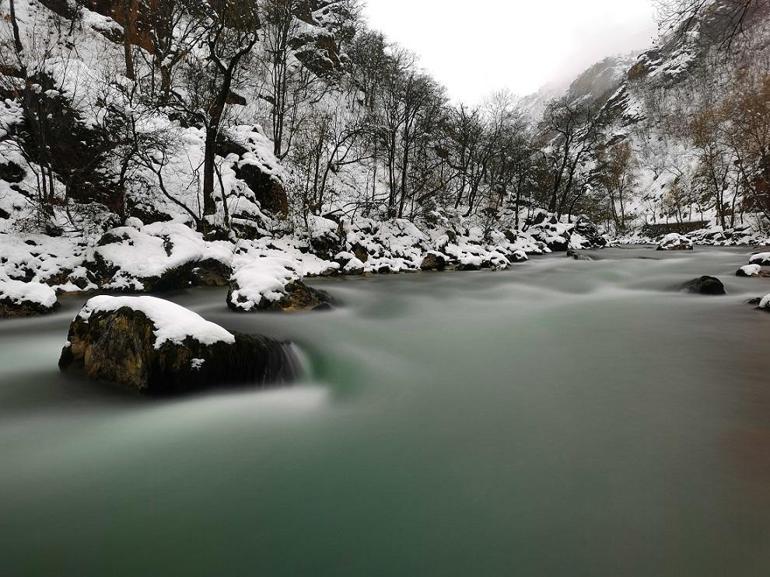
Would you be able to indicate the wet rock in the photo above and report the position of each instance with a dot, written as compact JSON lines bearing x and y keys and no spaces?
{"x":573,"y":254}
{"x":154,"y":346}
{"x":705,"y":285}
{"x":433,"y":261}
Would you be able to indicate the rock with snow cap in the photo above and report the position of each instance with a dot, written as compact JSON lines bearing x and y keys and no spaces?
{"x":272,"y":284}
{"x":761,"y":259}
{"x":157,"y":347}
{"x":752,"y":270}
{"x":24,"y":299}
{"x":675,"y":242}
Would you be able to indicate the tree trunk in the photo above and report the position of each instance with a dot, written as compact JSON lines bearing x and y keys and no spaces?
{"x":209,"y":157}
{"x":15,"y":26}
{"x":127,"y":48}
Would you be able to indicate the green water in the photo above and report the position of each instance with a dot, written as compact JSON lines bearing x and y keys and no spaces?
{"x":560,"y":419}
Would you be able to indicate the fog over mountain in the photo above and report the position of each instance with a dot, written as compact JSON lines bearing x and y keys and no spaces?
{"x":521,"y":46}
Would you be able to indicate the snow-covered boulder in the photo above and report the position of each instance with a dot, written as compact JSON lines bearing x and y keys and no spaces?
{"x":761,"y":259}
{"x":705,"y":285}
{"x":23,"y":299}
{"x":156,"y":346}
{"x":272,"y":284}
{"x":158,"y":257}
{"x":675,"y":241}
{"x":752,"y":270}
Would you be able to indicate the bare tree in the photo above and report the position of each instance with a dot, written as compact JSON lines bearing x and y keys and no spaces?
{"x":229,"y":33}
{"x":572,"y":130}
{"x":684,"y":15}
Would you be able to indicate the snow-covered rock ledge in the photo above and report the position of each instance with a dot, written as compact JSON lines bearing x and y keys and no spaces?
{"x":272,"y":284}
{"x":155,"y":346}
{"x":24,"y":299}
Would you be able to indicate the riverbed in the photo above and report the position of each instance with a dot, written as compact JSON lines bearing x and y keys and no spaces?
{"x":563,"y":418}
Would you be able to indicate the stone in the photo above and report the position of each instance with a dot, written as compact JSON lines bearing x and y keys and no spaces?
{"x":156,"y":347}
{"x":705,"y":285}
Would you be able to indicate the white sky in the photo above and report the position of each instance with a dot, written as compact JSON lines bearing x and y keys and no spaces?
{"x":475,"y":47}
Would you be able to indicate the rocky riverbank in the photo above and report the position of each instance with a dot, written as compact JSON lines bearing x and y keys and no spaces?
{"x":267,"y":273}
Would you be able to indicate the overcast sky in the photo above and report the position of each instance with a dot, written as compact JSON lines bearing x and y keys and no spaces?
{"x":475,"y":47}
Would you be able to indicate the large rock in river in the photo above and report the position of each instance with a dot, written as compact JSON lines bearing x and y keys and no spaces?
{"x":156,"y":346}
{"x":705,"y":285}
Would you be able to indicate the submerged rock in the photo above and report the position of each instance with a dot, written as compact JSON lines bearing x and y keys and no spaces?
{"x":573,"y":254}
{"x":675,"y":242}
{"x":25,"y":299}
{"x":155,"y":346}
{"x":705,"y":285}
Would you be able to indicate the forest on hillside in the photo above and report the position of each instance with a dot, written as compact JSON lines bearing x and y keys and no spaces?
{"x":244,"y":118}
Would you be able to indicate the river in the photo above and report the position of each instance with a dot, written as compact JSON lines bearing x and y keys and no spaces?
{"x":563,"y":418}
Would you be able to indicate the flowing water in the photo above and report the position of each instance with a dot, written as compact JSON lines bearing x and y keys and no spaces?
{"x":563,"y":418}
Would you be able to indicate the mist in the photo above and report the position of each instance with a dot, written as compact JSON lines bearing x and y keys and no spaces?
{"x":519,"y":46}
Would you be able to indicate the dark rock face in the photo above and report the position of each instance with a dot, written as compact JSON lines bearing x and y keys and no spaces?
{"x":210,"y":273}
{"x":119,"y":347}
{"x":705,"y":285}
{"x":433,"y":262}
{"x":268,"y":190}
{"x":11,"y":172}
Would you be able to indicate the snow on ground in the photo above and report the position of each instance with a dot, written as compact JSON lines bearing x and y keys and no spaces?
{"x":57,"y":262}
{"x":172,"y":322}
